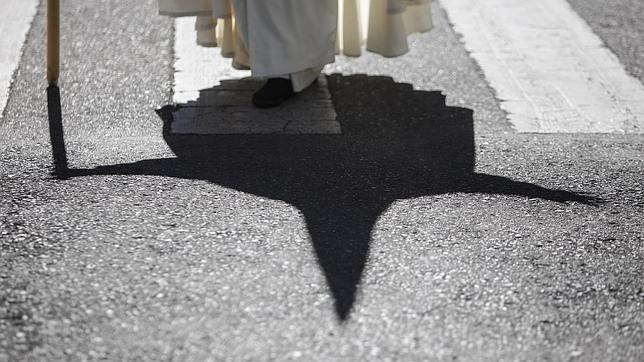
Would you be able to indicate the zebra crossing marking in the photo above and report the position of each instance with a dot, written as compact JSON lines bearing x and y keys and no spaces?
{"x":15,"y":21}
{"x":550,"y":71}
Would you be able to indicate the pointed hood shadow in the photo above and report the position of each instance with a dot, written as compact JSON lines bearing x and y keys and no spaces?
{"x":398,"y":143}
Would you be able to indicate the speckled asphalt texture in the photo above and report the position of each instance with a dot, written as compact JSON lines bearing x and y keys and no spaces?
{"x":430,"y":230}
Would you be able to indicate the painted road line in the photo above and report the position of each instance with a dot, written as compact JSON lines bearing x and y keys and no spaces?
{"x":214,"y":98}
{"x":196,"y":67}
{"x":550,"y":71}
{"x":226,"y":109}
{"x":15,"y":20}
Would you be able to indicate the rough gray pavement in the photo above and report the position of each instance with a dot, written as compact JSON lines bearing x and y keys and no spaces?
{"x":430,"y":230}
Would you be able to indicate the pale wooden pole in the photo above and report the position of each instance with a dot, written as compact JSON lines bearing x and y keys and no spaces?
{"x":53,"y":41}
{"x":56,"y":133}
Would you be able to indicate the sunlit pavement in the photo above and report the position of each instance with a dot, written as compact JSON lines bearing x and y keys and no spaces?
{"x":430,"y":229}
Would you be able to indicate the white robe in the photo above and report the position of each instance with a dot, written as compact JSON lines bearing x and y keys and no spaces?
{"x":294,"y":37}
{"x":299,"y":37}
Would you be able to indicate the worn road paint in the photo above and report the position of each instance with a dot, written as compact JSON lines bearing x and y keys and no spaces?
{"x":15,"y":20}
{"x":550,"y":71}
{"x":196,"y":67}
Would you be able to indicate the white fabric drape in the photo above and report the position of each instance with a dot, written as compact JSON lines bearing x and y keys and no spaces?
{"x":382,"y":25}
{"x":286,"y":36}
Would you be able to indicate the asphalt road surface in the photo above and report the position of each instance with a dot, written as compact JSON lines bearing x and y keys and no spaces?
{"x":429,"y":230}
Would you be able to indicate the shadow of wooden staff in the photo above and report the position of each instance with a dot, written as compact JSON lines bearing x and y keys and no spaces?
{"x":54,"y":111}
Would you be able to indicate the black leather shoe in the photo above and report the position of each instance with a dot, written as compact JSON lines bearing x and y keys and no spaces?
{"x":273,"y":93}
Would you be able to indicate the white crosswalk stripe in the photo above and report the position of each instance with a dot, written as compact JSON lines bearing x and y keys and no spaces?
{"x":551,"y":72}
{"x":15,"y":19}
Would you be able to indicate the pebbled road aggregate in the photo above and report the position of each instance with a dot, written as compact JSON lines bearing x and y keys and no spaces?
{"x":429,"y":231}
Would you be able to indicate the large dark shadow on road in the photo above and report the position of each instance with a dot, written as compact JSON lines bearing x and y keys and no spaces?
{"x":398,"y":143}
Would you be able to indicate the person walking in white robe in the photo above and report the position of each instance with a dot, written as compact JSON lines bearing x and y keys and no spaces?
{"x":289,"y":42}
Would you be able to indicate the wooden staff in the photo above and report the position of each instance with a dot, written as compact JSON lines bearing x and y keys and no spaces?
{"x":53,"y":41}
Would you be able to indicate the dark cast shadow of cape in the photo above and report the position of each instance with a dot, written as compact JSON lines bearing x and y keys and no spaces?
{"x":398,"y":143}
